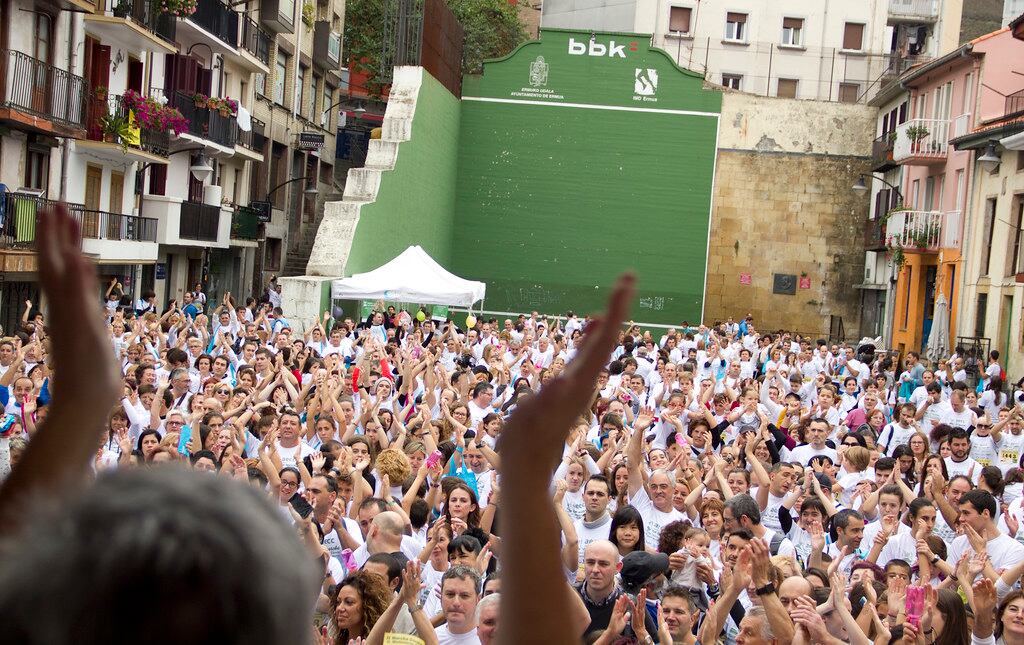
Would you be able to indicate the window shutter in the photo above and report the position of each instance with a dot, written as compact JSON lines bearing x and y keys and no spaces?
{"x":736,"y":17}
{"x":853,"y":36}
{"x":679,"y":19}
{"x":792,"y":23}
{"x":787,"y":88}
{"x":848,"y":92}
{"x":158,"y":180}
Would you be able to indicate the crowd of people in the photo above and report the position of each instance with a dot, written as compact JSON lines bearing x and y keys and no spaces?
{"x":710,"y":484}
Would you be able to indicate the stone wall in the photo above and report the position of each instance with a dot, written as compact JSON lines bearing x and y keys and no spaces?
{"x":783,"y":205}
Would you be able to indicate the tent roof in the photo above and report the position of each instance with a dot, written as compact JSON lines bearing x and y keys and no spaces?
{"x":413,"y":276}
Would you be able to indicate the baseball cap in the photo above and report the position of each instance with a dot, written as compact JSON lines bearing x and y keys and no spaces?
{"x":639,"y":566}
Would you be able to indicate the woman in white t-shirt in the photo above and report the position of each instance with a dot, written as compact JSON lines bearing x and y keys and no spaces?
{"x":993,"y":399}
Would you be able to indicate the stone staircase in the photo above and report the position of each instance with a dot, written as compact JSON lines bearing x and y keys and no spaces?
{"x":332,"y":242}
{"x":298,"y":256}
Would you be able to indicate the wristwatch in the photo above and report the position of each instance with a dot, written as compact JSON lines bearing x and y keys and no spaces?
{"x":766,"y":590}
{"x":934,"y":559}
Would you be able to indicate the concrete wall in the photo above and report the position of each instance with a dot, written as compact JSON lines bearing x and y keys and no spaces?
{"x":599,"y":15}
{"x":783,"y":205}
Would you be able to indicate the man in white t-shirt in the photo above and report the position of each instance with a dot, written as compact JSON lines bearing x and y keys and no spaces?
{"x":656,"y":508}
{"x":596,"y":522}
{"x":480,"y":405}
{"x":741,"y":512}
{"x":289,"y":448}
{"x":959,"y":462}
{"x":958,"y":415}
{"x":898,"y":433}
{"x":816,"y":434}
{"x":903,"y":546}
{"x":978,"y":514}
{"x":769,"y":498}
{"x":460,"y":593}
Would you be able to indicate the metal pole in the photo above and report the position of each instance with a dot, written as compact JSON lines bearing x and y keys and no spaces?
{"x":832,"y":73}
{"x":768,"y":84}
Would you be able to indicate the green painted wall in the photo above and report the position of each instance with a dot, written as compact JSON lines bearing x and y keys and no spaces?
{"x":573,"y":167}
{"x":416,"y":202}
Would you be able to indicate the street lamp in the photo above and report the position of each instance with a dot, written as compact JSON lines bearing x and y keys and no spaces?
{"x":309,"y":190}
{"x":990,"y":160}
{"x":861,"y":187}
{"x":201,"y":168}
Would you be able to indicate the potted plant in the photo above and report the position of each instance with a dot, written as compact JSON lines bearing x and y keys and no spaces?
{"x":179,"y":8}
{"x":308,"y":13}
{"x":200,"y":100}
{"x":116,"y":129}
{"x":123,"y":9}
{"x":100,"y":92}
{"x":915,"y":133}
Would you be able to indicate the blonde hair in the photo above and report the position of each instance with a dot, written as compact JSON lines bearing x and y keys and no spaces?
{"x":858,"y":456}
{"x":393,"y":463}
{"x":787,"y":565}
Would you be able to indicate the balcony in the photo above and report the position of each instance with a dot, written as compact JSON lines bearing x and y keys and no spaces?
{"x":135,"y":24}
{"x":882,"y":151}
{"x":206,"y":124}
{"x":245,"y":144}
{"x":874,"y":235}
{"x":922,"y":142}
{"x":913,"y":11}
{"x":103,"y":234}
{"x":199,"y":222}
{"x":951,"y":229}
{"x":326,"y":46}
{"x":218,"y":20}
{"x":961,"y":125}
{"x":278,"y":16}
{"x":245,"y":224}
{"x":151,"y":147}
{"x":39,"y":97}
{"x":1014,"y":105}
{"x":919,"y":231}
{"x":255,"y":44}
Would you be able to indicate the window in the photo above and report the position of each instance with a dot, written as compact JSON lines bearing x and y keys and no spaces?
{"x":968,"y":89}
{"x":929,"y":193}
{"x":300,"y":90}
{"x":736,"y":26}
{"x":261,"y":84}
{"x":792,"y":31}
{"x":732,"y":81}
{"x":42,"y":37}
{"x":37,"y":167}
{"x":849,"y":92}
{"x":1020,"y":161}
{"x":272,"y":257}
{"x":679,"y":20}
{"x":280,"y":72}
{"x":986,"y":241}
{"x":853,"y":36}
{"x":787,"y":88}
{"x":325,"y":111}
{"x":286,"y":8}
{"x":1015,"y":261}
{"x":979,"y":314}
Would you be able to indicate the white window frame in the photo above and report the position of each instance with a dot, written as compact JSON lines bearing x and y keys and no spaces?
{"x":741,"y":28}
{"x":796,"y":35}
{"x":672,"y":32}
{"x":726,"y":77}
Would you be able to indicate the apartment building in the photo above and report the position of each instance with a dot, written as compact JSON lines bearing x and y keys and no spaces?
{"x":830,"y":50}
{"x":297,"y":101}
{"x":992,"y":299}
{"x":42,"y":110}
{"x":141,"y":119}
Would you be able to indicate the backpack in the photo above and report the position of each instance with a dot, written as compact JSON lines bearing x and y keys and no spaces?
{"x":775,"y":543}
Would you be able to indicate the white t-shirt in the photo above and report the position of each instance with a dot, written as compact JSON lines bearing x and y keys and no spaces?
{"x":963,"y":419}
{"x":1003,"y":551}
{"x":901,"y":546}
{"x":654,"y":520}
{"x":895,"y":435}
{"x":803,"y":454}
{"x":598,"y":531}
{"x":445,"y":637}
{"x":410,"y":549}
{"x":1011,"y":447}
{"x":985,"y":450}
{"x":288,"y":454}
{"x":968,"y":468}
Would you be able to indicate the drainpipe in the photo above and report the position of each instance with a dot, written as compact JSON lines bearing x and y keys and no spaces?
{"x":72,"y":59}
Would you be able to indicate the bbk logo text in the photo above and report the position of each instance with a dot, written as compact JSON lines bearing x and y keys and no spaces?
{"x":594,"y":48}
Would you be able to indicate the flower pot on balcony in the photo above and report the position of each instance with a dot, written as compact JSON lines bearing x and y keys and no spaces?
{"x":224,"y":111}
{"x":1020,"y":277}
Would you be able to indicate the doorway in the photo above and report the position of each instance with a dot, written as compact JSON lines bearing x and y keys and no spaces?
{"x":93,"y":187}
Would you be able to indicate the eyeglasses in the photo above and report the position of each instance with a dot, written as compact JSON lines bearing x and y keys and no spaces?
{"x":223,"y":391}
{"x":285,"y":484}
{"x":983,"y":425}
{"x":175,"y":423}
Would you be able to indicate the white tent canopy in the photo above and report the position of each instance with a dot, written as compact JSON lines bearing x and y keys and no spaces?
{"x":414,"y":277}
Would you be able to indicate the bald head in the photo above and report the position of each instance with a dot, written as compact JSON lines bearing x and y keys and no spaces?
{"x":602,"y":549}
{"x":792,"y":588}
{"x":390,"y":524}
